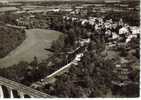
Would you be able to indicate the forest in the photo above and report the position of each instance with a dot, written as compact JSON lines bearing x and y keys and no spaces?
{"x":10,"y":38}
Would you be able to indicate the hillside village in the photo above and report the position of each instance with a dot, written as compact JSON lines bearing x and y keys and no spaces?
{"x":95,"y":52}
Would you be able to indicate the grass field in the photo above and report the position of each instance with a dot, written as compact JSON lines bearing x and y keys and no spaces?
{"x":34,"y":44}
{"x":3,"y":9}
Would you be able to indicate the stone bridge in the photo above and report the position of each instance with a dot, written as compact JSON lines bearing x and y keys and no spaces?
{"x":11,"y":89}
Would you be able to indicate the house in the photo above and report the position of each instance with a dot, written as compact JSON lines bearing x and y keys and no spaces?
{"x":122,"y":71}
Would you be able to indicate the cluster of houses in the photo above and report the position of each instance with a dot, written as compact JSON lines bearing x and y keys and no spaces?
{"x":125,"y":31}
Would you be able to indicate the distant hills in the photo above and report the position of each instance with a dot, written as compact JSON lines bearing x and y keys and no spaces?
{"x":69,"y":0}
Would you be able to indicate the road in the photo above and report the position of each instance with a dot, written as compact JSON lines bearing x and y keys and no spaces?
{"x":51,"y":78}
{"x":34,"y":44}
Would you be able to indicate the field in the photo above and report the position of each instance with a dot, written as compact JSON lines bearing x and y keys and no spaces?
{"x":34,"y":44}
{"x":3,"y":9}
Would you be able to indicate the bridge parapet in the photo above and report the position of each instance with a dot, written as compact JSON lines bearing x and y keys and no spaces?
{"x":21,"y":90}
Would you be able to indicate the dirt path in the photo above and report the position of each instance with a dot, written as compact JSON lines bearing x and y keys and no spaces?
{"x":34,"y":44}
